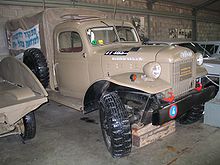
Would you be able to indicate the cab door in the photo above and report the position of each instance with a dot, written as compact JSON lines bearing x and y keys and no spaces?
{"x":71,"y":64}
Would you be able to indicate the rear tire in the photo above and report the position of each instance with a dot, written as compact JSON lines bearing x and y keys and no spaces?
{"x":194,"y":115}
{"x":36,"y":62}
{"x":29,"y":126}
{"x":115,"y":125}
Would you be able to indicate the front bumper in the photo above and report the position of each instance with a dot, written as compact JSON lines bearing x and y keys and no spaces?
{"x":183,"y":105}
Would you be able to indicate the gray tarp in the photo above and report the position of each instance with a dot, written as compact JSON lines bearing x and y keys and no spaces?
{"x":48,"y":20}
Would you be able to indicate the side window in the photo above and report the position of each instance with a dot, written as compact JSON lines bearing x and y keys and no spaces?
{"x":70,"y":41}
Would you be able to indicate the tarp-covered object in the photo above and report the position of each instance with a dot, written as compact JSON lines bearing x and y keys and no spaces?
{"x":20,"y":91}
{"x":46,"y":20}
{"x":16,"y":72}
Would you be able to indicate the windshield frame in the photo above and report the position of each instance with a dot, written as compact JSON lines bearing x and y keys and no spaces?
{"x":117,"y":35}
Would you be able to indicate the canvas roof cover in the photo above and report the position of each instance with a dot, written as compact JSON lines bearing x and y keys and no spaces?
{"x":47,"y":21}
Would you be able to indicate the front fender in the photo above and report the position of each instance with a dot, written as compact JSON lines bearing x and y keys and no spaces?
{"x":91,"y":98}
{"x":151,"y":87}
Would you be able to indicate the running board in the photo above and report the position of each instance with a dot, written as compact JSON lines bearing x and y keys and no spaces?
{"x":71,"y":102}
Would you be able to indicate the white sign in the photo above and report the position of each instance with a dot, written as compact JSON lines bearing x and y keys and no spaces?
{"x":24,"y":39}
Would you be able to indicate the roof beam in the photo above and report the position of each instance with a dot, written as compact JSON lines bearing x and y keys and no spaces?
{"x":108,"y":8}
{"x":209,"y":2}
{"x":176,"y":3}
{"x":205,"y":4}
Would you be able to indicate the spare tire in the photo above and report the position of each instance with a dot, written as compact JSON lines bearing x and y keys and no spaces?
{"x":36,"y":62}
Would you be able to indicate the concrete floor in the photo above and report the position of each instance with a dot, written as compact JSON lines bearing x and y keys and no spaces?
{"x":63,"y":138}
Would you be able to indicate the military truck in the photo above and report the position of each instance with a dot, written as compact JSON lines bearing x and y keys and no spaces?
{"x":21,"y":93}
{"x":95,"y":63}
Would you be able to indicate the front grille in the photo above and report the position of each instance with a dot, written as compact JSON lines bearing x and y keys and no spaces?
{"x":183,"y":76}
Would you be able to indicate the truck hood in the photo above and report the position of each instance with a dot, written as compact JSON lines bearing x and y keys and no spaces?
{"x":120,"y":58}
{"x":127,"y":52}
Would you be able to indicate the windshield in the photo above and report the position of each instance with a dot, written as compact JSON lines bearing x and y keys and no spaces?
{"x":126,"y":34}
{"x":107,"y":35}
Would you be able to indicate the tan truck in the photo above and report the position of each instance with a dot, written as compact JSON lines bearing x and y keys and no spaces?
{"x":94,"y":63}
{"x":21,"y":93}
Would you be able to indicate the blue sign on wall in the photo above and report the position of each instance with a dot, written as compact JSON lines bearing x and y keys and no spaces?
{"x":24,"y":39}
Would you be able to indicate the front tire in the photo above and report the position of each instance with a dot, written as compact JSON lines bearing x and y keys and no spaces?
{"x":29,"y":126}
{"x":115,"y":125}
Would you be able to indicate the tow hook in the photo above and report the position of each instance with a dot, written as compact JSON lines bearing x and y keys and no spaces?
{"x":169,"y":99}
{"x":198,"y":86}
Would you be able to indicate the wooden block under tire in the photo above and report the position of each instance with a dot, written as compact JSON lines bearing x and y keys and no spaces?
{"x":142,"y":136}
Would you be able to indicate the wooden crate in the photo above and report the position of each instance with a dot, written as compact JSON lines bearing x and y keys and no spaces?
{"x":142,"y":136}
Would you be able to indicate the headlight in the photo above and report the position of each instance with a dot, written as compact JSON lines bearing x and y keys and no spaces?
{"x":152,"y":70}
{"x":199,"y":58}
